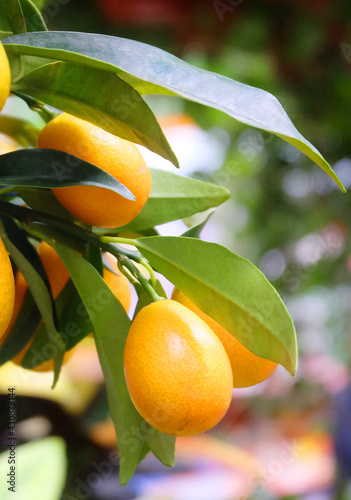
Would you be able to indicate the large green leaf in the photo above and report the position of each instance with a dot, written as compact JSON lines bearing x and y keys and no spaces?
{"x":12,"y":11}
{"x":22,"y":331}
{"x":49,"y":168}
{"x":43,"y":300}
{"x":111,"y":326}
{"x":32,"y":16}
{"x":174,"y":197}
{"x":98,"y":96}
{"x":231,"y":290}
{"x":41,"y":467}
{"x":151,"y":70}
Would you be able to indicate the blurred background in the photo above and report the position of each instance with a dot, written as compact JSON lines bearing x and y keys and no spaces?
{"x":285,"y":438}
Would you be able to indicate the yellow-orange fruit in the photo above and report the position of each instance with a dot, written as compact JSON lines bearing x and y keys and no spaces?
{"x":177,"y":371}
{"x":5,"y":80}
{"x":248,"y":369}
{"x":120,"y":158}
{"x":7,"y":289}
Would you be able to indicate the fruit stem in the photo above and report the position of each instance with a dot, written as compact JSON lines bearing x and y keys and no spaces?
{"x":125,"y":256}
{"x":122,"y":241}
{"x":128,"y":264}
{"x":36,"y":105}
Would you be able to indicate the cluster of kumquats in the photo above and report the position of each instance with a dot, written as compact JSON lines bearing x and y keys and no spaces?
{"x":180,"y":364}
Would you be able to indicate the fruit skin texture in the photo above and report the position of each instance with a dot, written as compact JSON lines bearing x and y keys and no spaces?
{"x":5,"y":81}
{"x":248,"y":369}
{"x":177,"y":371}
{"x":7,"y":289}
{"x":58,"y":277}
{"x":120,"y":158}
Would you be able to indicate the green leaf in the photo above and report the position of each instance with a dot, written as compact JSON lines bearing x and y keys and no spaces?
{"x":195,"y":231}
{"x":12,"y":11}
{"x":44,"y":201}
{"x":43,"y":299}
{"x":111,"y":325}
{"x":41,"y":467}
{"x":100,"y":97}
{"x":32,"y":16}
{"x":22,"y":331}
{"x":22,"y":131}
{"x":231,"y":290}
{"x":151,"y":70}
{"x":174,"y":197}
{"x":49,"y":168}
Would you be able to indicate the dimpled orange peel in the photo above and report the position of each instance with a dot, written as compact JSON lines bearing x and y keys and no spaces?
{"x":177,"y":371}
{"x":120,"y":158}
{"x":248,"y":369}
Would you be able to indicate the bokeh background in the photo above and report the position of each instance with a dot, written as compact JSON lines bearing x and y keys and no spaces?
{"x":285,"y":438}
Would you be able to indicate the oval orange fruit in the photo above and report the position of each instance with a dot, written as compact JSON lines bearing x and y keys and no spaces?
{"x":177,"y":371}
{"x":120,"y":158}
{"x":248,"y":369}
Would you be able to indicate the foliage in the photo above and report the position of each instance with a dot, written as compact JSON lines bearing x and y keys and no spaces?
{"x":91,"y":77}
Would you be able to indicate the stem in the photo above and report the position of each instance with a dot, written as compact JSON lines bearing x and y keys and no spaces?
{"x":35,"y":105}
{"x":29,"y":217}
{"x":122,"y":241}
{"x":127,"y":263}
{"x":147,"y":266}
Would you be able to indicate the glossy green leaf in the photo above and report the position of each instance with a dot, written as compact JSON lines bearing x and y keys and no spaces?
{"x":44,"y":201}
{"x":41,"y":466}
{"x":151,"y":70}
{"x":43,"y":300}
{"x":231,"y":290}
{"x":32,"y":17}
{"x":49,"y":168}
{"x":12,"y":11}
{"x":22,"y":131}
{"x":174,"y":197}
{"x":100,"y":97}
{"x":22,"y":331}
{"x":111,"y":325}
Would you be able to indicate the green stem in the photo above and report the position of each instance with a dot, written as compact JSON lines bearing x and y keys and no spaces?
{"x":121,"y":241}
{"x":29,"y":218}
{"x":35,"y":105}
{"x":128,"y":264}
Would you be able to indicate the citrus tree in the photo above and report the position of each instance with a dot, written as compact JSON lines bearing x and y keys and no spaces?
{"x":78,"y":210}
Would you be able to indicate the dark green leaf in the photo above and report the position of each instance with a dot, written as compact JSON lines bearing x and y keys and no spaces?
{"x":151,"y":70}
{"x":42,"y":298}
{"x":32,"y":16}
{"x":100,"y":97}
{"x":95,"y":258}
{"x":174,"y":197}
{"x":49,"y":168}
{"x":111,"y":325}
{"x":12,"y":11}
{"x":231,"y":290}
{"x":22,"y":331}
{"x":44,"y":201}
